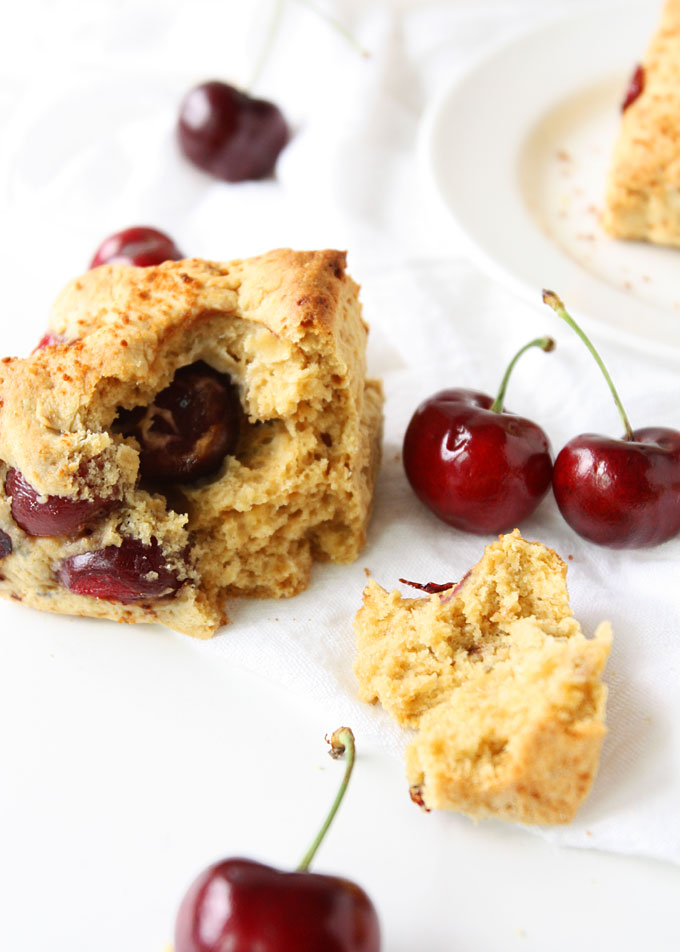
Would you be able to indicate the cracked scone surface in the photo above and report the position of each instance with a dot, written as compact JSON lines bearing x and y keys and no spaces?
{"x":500,"y":683}
{"x":287,"y":329}
{"x":643,"y":190}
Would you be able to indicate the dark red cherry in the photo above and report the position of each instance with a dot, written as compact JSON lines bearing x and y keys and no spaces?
{"x":239,"y":905}
{"x":5,"y":544}
{"x":636,"y":84}
{"x":229,"y":134}
{"x":131,"y":572}
{"x":54,"y":515}
{"x":48,"y":340}
{"x":189,"y":427}
{"x":140,"y":246}
{"x":622,"y":493}
{"x":474,"y":464}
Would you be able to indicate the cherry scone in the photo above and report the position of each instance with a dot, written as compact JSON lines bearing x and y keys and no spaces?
{"x":185,"y":433}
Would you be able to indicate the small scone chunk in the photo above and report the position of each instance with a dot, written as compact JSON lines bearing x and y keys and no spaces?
{"x":185,"y":433}
{"x":499,"y":681}
{"x":643,"y":191}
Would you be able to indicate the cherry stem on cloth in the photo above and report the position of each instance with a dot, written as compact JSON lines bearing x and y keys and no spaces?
{"x":341,"y":742}
{"x":553,"y":301}
{"x":545,"y":343}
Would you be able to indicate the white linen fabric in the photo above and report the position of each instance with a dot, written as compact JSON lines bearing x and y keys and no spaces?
{"x":88,"y":104}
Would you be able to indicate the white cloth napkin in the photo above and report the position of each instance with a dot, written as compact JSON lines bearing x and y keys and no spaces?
{"x":87,"y":112}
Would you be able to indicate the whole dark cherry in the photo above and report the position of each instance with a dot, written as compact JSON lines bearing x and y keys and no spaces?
{"x":622,"y":493}
{"x":636,"y":84}
{"x":239,"y":905}
{"x":229,"y":134}
{"x":131,"y":572}
{"x":189,"y":427}
{"x":475,"y":465}
{"x":141,"y":246}
{"x":52,"y":515}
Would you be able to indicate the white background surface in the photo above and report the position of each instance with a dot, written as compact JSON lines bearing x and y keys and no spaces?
{"x":131,"y":758}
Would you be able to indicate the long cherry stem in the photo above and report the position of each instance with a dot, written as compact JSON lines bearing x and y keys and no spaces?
{"x":341,"y":742}
{"x":545,"y":343}
{"x":553,"y":301}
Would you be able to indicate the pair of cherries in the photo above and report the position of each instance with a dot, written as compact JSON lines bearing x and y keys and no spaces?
{"x":483,"y":469}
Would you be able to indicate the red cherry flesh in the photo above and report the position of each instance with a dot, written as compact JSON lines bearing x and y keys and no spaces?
{"x":49,"y":339}
{"x":621,"y":493}
{"x":189,"y":427}
{"x":477,"y":469}
{"x":57,"y":515}
{"x":636,"y":84}
{"x":229,"y":134}
{"x":239,"y":905}
{"x":140,"y":246}
{"x":131,"y":572}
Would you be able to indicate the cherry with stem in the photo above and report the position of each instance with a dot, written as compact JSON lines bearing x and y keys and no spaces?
{"x":239,"y":904}
{"x":477,"y":466}
{"x":621,"y":493}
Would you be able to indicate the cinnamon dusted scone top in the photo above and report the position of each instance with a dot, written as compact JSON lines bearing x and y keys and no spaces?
{"x":500,"y":683}
{"x":287,"y":329}
{"x":643,"y":191}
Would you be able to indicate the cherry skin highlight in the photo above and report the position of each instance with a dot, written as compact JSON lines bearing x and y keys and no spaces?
{"x":131,"y":572}
{"x":477,"y":469}
{"x":240,"y":905}
{"x":140,"y":246}
{"x":229,"y":134}
{"x":189,"y":427}
{"x":621,"y":493}
{"x":57,"y":515}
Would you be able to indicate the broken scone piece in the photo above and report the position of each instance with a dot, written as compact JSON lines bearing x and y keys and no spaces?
{"x":643,"y":191}
{"x":185,"y":433}
{"x":499,"y":681}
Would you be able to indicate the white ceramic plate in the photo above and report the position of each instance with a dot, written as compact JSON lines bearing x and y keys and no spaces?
{"x":517,"y":149}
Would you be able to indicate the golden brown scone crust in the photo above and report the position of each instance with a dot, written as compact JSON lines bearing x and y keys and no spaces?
{"x":287,"y":327}
{"x":643,"y":192}
{"x":499,"y":681}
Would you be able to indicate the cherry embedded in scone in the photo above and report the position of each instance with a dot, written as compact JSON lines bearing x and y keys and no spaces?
{"x":41,"y":515}
{"x":189,"y":427}
{"x":129,"y":572}
{"x":477,"y":466}
{"x":241,"y":905}
{"x":621,"y":493}
{"x":140,"y":246}
{"x":229,"y":134}
{"x":49,"y":340}
{"x":635,"y":86}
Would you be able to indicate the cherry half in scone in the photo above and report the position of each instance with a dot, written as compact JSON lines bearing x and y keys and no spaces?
{"x":40,"y":515}
{"x":239,"y":905}
{"x":189,"y":427}
{"x":130,"y":572}
{"x":477,"y":466}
